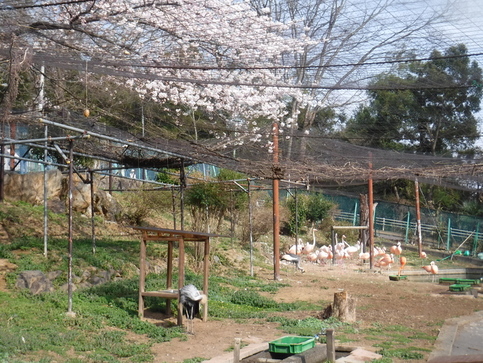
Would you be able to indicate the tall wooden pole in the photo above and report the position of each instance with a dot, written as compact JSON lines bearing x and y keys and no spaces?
{"x":276,"y":208}
{"x":371,"y":214}
{"x":418,"y":217}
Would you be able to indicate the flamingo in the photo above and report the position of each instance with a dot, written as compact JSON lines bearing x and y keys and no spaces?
{"x":385,"y":261}
{"x":402,"y":263}
{"x":310,"y":247}
{"x":397,"y":249}
{"x":364,"y":256}
{"x":423,"y":255}
{"x":353,"y":249}
{"x":432,"y":269}
{"x":296,"y":249}
{"x":312,"y":256}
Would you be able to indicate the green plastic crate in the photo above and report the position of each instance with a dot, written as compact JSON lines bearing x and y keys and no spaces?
{"x":291,"y":345}
{"x":448,"y":280}
{"x":468,"y":281}
{"x":459,"y":287}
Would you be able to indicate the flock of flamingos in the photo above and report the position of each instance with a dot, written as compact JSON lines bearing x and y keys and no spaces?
{"x":343,"y":251}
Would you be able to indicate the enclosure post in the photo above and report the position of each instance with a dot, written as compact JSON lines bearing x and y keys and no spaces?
{"x":2,"y":173}
{"x":206,"y":272}
{"x":109,"y":178}
{"x":276,"y":216}
{"x":475,"y":241}
{"x":93,"y":213}
{"x":236,"y":351}
{"x":182,"y":185}
{"x":448,"y":237}
{"x":330,"y":345}
{"x":371,"y":215}
{"x":354,"y":219}
{"x":408,"y":224}
{"x":296,"y":222}
{"x":69,"y":257}
{"x":169,"y":275}
{"x":332,"y":243}
{"x":46,"y":230}
{"x":142,"y":274}
{"x":173,"y":200}
{"x":418,"y":217}
{"x":250,"y":225}
{"x":180,"y":277}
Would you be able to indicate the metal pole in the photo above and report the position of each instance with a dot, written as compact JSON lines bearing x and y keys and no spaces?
{"x":69,"y":256}
{"x":250,"y":226}
{"x":408,"y":225}
{"x":276,"y":208}
{"x":46,"y":154}
{"x":173,"y":201}
{"x":448,"y":237}
{"x":93,"y":213}
{"x":182,"y":186}
{"x":2,"y":173}
{"x":418,"y":217}
{"x":296,"y":222}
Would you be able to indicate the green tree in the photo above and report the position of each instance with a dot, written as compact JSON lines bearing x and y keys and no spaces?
{"x":308,"y":208}
{"x":406,"y":111}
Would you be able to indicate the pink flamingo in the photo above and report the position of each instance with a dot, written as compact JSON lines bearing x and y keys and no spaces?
{"x":432,"y":269}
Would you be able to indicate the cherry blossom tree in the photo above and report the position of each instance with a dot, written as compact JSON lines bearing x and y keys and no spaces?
{"x":219,"y":55}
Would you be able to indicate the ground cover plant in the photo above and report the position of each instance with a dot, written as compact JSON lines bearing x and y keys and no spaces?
{"x":400,"y":320}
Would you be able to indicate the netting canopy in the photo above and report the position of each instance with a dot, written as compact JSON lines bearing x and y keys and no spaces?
{"x":310,"y":160}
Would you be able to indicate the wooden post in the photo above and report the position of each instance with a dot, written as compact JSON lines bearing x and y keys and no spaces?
{"x":418,"y":217}
{"x":142,"y":274}
{"x":330,"y":345}
{"x":169,"y":276}
{"x":180,"y":278}
{"x":206,"y":271}
{"x":236,"y":351}
{"x":371,"y":214}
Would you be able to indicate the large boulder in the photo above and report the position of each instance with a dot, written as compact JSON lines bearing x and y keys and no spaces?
{"x":30,"y":187}
{"x":35,"y":281}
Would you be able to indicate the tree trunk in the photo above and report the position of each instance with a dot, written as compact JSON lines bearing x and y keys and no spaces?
{"x":364,"y":221}
{"x":344,"y":307}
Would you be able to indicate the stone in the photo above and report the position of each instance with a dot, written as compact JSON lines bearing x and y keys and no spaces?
{"x":35,"y":281}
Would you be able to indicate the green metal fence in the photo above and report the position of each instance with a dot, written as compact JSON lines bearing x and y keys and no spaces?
{"x":443,"y":230}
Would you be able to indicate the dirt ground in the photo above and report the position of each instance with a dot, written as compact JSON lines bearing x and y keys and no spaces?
{"x":418,"y":305}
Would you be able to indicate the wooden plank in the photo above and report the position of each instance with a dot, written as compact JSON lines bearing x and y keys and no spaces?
{"x":165,"y":294}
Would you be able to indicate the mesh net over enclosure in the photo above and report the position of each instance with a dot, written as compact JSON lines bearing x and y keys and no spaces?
{"x":310,"y":160}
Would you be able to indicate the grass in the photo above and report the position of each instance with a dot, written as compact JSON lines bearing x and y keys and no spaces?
{"x":107,"y":312}
{"x":106,"y":327}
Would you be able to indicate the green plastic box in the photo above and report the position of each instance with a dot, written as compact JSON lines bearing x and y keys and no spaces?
{"x":468,"y":281}
{"x":459,"y":287}
{"x":291,"y":345}
{"x":447,"y":280}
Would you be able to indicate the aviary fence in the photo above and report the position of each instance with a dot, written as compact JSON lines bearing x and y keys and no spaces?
{"x":441,"y":230}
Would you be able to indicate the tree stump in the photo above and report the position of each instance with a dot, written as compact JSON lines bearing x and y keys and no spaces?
{"x":344,"y":307}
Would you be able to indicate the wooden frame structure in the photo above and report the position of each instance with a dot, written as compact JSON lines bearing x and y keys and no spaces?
{"x":170,"y":236}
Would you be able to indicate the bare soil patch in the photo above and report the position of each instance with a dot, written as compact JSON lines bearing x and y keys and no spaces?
{"x":422,"y":306}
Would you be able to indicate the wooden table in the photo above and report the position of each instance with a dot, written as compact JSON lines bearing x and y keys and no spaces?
{"x":170,"y":236}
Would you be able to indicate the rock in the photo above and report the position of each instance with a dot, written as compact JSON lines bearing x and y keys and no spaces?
{"x":6,"y":266}
{"x":30,"y":187}
{"x":52,"y":275}
{"x":35,"y":281}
